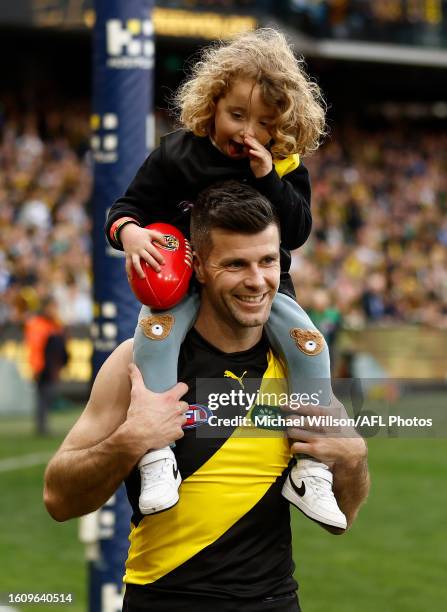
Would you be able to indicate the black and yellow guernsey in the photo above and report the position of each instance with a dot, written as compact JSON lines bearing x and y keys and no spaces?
{"x":229,"y":535}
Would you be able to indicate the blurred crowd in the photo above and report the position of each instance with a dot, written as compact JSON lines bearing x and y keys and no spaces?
{"x":377,"y":252}
{"x":45,"y":186}
{"x":378,"y":248}
{"x":398,"y":21}
{"x":248,"y":5}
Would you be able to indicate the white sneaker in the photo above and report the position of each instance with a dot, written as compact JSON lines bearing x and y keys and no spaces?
{"x":160,"y":480}
{"x":309,"y":487}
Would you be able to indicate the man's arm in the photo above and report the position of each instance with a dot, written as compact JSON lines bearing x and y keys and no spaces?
{"x":351,"y":478}
{"x":122,"y":420}
{"x":347,"y":454}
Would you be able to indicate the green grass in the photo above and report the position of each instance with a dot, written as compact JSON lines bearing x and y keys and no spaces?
{"x":393,"y":559}
{"x":38,"y":554}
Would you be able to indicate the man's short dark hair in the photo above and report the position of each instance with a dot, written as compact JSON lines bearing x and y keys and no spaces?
{"x":231,"y":206}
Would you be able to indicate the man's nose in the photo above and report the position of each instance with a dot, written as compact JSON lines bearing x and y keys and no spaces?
{"x":254,"y":278}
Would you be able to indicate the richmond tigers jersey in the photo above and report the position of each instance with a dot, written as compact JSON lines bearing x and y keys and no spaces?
{"x":229,"y":535}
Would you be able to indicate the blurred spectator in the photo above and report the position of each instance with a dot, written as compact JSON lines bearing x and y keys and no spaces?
{"x":373,"y":298}
{"x":45,"y":341}
{"x":326,"y":317}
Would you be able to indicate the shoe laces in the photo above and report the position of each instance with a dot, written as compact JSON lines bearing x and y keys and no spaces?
{"x":321,"y":487}
{"x":152,"y":471}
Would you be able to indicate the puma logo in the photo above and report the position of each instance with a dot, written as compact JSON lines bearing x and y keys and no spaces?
{"x":228,"y":374}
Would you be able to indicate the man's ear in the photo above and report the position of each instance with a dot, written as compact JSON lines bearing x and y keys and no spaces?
{"x":198,"y":268}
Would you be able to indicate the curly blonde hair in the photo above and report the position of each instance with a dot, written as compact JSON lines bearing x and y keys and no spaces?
{"x":265,"y":57}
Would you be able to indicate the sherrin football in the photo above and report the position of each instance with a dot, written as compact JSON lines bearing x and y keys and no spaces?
{"x":165,"y":289}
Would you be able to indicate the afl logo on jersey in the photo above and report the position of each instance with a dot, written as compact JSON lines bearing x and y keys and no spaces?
{"x":196,"y":415}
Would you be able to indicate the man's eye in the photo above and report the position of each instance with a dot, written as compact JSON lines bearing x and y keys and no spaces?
{"x":269,"y":260}
{"x":235,"y":264}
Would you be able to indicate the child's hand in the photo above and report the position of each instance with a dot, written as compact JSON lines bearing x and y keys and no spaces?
{"x":261,"y":162}
{"x":138,"y":243}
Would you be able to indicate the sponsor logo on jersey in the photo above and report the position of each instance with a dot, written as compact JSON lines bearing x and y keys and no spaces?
{"x":266,"y":417}
{"x":229,"y":374}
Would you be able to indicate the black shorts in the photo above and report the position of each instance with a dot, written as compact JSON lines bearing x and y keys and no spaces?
{"x":154,"y":603}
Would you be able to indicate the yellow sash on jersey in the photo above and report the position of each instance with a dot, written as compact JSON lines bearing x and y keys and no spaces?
{"x":223,"y":490}
{"x":284,"y":166}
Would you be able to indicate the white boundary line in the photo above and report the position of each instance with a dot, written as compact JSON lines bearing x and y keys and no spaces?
{"x":25,"y":461}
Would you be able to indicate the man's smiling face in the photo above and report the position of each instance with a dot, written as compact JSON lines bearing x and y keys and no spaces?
{"x":240,"y":276}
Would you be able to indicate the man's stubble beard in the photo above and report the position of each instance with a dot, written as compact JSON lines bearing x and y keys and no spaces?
{"x":238,"y":318}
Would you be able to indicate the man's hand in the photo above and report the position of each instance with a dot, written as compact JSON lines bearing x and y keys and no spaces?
{"x":261,"y":162}
{"x":342,"y":448}
{"x":151,"y":412}
{"x":122,"y":420}
{"x":138,"y":243}
{"x":328,"y":444}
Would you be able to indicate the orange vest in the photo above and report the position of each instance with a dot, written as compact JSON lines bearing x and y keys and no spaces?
{"x":37,"y":330}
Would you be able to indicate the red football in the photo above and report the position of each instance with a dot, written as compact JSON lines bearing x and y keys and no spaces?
{"x":164,"y":289}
